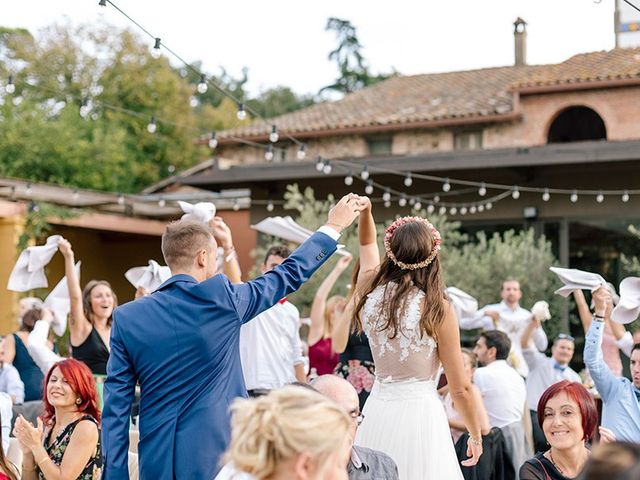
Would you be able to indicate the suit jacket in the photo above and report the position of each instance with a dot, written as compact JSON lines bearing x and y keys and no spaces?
{"x":182,"y":345}
{"x":494,"y":464}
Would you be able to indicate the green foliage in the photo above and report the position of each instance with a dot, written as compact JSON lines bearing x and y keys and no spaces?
{"x":37,"y":225}
{"x":278,"y":101}
{"x":631,"y":265}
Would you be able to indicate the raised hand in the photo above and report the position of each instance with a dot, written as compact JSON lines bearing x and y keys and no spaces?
{"x":221,"y":232}
{"x":65,"y":248}
{"x":343,"y":263}
{"x":601,"y":298}
{"x":345,"y":212}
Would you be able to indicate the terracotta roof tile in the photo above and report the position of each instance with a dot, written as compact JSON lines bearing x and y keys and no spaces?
{"x":453,"y":95}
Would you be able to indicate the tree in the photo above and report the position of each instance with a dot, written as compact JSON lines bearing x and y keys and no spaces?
{"x":278,"y":101}
{"x":352,"y":67}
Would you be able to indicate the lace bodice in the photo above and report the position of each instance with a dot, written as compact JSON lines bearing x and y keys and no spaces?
{"x":408,"y":356}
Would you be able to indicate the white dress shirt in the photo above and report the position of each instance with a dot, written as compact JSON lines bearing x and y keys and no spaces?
{"x":270,"y":347}
{"x":503,"y":392}
{"x":6,"y":415}
{"x":543,"y":372}
{"x":11,"y":383}
{"x":512,"y":322}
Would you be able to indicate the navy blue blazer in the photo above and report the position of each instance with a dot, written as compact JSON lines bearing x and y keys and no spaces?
{"x":182,"y":345}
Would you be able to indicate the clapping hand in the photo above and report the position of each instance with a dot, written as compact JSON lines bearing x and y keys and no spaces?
{"x":28,"y":436}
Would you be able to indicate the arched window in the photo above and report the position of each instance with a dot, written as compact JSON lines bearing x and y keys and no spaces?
{"x":577,"y":124}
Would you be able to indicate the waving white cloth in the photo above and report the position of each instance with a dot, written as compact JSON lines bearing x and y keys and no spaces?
{"x":464,"y":304}
{"x":149,"y":277}
{"x":540,"y":311}
{"x":199,"y":212}
{"x":574,"y":279}
{"x":28,"y":273}
{"x":628,"y":308}
{"x":60,"y":304}
{"x":287,"y":229}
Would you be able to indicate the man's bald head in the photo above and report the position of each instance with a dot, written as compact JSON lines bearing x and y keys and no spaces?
{"x":337,"y":389}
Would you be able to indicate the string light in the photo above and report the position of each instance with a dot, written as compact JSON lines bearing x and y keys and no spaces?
{"x":301,"y":152}
{"x":431,"y":208}
{"x":213,"y":141}
{"x":326,"y":168}
{"x":387,"y":203}
{"x":202,"y":85}
{"x":418,"y":205}
{"x":453,"y":210}
{"x":103,"y":4}
{"x":10,"y":87}
{"x":482,"y":191}
{"x":546,"y":195}
{"x":75,"y":195}
{"x":403,"y":200}
{"x":155,"y":51}
{"x":268,"y":154}
{"x":489,"y":206}
{"x":162,"y":203}
{"x":28,"y":190}
{"x":273,"y":136}
{"x":516,"y":193}
{"x":574,"y":197}
{"x":600,"y":198}
{"x":625,"y":196}
{"x":84,"y":108}
{"x":408,"y":181}
{"x":319,"y":163}
{"x":270,"y":207}
{"x":369,"y":188}
{"x":443,"y":210}
{"x":436,"y":199}
{"x":236,"y":205}
{"x":472,"y":209}
{"x":386,"y":196}
{"x":152,"y":126}
{"x":446,"y":186}
{"x":364,"y":175}
{"x":463,"y":211}
{"x":480,"y":208}
{"x":171,"y":169}
{"x":242,"y":113}
{"x":348,"y":180}
{"x":120,"y":199}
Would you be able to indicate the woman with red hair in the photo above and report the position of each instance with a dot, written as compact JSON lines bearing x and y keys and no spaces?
{"x":66,"y":442}
{"x":568,"y":417}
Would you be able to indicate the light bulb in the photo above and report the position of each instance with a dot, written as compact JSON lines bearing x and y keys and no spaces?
{"x":270,"y":207}
{"x":402,"y":201}
{"x":369,"y":188}
{"x":600,"y":198}
{"x":326,"y":168}
{"x":75,"y":195}
{"x":268,"y":154}
{"x":236,"y":206}
{"x":625,"y":196}
{"x":489,"y":206}
{"x":120,"y":199}
{"x":546,"y":195}
{"x":84,"y":109}
{"x":242,"y":114}
{"x":453,"y":210}
{"x":446,"y":186}
{"x":155,"y":51}
{"x":213,"y":141}
{"x":273,"y":136}
{"x":28,"y":190}
{"x":431,"y":208}
{"x":387,"y":203}
{"x":386,"y":196}
{"x":408,"y":181}
{"x":103,"y":6}
{"x":436,"y":199}
{"x":472,"y":209}
{"x":418,"y":205}
{"x":516,"y":193}
{"x":319,"y":164}
{"x":171,"y":168}
{"x":442,"y":210}
{"x":301,"y":153}
{"x":574,"y":197}
{"x":364,"y":175}
{"x":463,"y":211}
{"x":10,"y":87}
{"x":202,"y":86}
{"x":480,"y":208}
{"x":348,"y":180}
{"x":193,"y":102}
{"x":482,"y":191}
{"x":152,"y":126}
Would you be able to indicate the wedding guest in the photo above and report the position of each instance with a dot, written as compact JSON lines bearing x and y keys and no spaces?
{"x":16,"y":353}
{"x":614,"y":461}
{"x":324,"y":313}
{"x":568,"y":417}
{"x":65,"y":444}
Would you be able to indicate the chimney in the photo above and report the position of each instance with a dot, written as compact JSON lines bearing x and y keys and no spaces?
{"x":520,"y":38}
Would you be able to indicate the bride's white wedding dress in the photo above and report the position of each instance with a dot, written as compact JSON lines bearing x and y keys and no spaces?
{"x":404,"y":416}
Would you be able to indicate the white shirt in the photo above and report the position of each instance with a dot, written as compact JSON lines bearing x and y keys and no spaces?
{"x":6,"y":415}
{"x":503,"y":392}
{"x":270,"y":347}
{"x":512,"y":322}
{"x":543,"y":374}
{"x":11,"y":383}
{"x":229,"y":472}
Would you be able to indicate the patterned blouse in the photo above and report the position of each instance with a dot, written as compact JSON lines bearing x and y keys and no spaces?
{"x":57,"y":448}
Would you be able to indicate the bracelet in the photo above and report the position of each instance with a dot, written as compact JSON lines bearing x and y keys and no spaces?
{"x":599,"y":318}
{"x":26,"y":469}
{"x":475,"y":441}
{"x":42,"y":460}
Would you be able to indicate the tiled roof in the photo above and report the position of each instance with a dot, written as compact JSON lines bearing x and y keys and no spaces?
{"x":471,"y":94}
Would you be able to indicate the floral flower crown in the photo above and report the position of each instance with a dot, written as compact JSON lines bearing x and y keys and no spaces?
{"x":388,"y":233}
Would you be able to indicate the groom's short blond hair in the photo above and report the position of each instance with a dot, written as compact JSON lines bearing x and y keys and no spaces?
{"x":182,"y":240}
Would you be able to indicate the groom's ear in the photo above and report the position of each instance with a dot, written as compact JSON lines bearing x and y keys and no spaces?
{"x":201,"y":258}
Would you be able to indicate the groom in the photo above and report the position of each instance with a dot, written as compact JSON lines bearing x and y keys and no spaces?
{"x":182,"y":345}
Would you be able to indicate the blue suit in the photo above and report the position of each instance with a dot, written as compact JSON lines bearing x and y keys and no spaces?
{"x":182,"y":345}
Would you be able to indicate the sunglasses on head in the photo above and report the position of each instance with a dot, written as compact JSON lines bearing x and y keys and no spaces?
{"x":565,"y":336}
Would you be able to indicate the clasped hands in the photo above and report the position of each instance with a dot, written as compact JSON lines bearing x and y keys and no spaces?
{"x":347,"y":210}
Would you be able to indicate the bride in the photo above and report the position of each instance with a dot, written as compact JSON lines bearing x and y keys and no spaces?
{"x":400,"y":304}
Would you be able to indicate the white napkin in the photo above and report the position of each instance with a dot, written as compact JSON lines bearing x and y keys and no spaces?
{"x":60,"y":304}
{"x":149,"y":277}
{"x":628,"y":308}
{"x":28,"y":273}
{"x":465,"y":305}
{"x":540,"y":310}
{"x":287,"y":229}
{"x":200,"y":212}
{"x":574,"y":279}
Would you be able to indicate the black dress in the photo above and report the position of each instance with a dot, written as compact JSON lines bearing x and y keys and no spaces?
{"x":540,"y":468}
{"x":356,"y":365}
{"x":30,"y":373}
{"x":93,"y":352}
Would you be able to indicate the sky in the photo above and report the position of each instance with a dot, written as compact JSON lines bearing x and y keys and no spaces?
{"x":283,"y":42}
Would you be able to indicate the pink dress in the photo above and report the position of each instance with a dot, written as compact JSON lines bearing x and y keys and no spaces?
{"x":322,"y":357}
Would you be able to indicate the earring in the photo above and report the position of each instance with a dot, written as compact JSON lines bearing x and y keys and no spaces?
{"x":78,"y":401}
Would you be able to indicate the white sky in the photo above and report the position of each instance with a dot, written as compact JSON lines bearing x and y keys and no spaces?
{"x":283,"y":42}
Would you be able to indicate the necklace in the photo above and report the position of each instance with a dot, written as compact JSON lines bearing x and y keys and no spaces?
{"x":555,"y":464}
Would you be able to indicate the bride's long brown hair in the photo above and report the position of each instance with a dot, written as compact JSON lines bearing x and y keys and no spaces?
{"x":410,"y":243}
